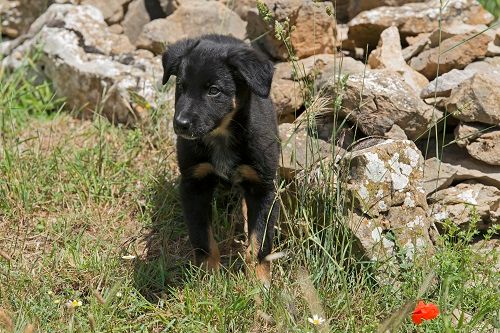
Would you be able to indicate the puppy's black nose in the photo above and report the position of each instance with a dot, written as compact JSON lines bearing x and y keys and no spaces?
{"x":181,"y":125}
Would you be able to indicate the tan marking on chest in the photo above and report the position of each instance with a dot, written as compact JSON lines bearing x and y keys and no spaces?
{"x":223,"y":128}
{"x":246,"y":172}
{"x":202,"y":170}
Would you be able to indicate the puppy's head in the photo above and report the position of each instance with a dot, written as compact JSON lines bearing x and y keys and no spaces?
{"x":210,"y":72}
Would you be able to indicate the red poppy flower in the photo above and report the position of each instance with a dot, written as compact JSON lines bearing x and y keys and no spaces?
{"x":424,"y":312}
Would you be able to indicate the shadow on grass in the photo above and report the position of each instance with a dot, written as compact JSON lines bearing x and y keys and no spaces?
{"x":167,"y":250}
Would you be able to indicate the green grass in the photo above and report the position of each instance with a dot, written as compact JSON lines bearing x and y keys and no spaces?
{"x":493,"y":6}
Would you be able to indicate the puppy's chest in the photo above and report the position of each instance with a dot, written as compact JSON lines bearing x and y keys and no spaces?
{"x":225,"y":160}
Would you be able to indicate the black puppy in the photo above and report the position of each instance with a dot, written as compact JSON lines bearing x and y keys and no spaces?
{"x":227,"y":132}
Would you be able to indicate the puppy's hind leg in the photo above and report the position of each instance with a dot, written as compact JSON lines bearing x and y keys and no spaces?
{"x":262,"y":214}
{"x":196,"y":196}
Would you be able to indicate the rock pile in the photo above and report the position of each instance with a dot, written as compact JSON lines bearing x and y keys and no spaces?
{"x":436,"y":87}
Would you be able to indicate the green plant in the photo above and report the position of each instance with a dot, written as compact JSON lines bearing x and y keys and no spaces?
{"x":493,"y":6}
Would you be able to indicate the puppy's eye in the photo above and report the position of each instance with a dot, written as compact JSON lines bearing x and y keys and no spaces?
{"x":213,"y":91}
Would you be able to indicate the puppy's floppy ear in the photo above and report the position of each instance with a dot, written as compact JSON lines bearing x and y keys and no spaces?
{"x":254,"y":67}
{"x":173,"y":56}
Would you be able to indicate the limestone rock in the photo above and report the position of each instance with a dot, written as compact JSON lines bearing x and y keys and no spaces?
{"x":191,"y":19}
{"x":241,"y":7}
{"x":299,"y":150}
{"x":307,"y":16}
{"x":396,"y":133}
{"x":437,"y":175}
{"x":413,"y":19}
{"x":111,"y":10}
{"x":91,"y":67}
{"x":481,"y":141}
{"x":379,"y":99}
{"x":463,"y":53}
{"x":135,"y":19}
{"x":385,"y":181}
{"x":458,"y":204}
{"x":416,"y":46}
{"x":493,"y":50}
{"x":335,"y":70}
{"x":444,"y":84}
{"x":467,"y":168}
{"x":288,"y":81}
{"x":386,"y":175}
{"x":357,"y":6}
{"x":17,"y":16}
{"x":285,"y":92}
{"x":487,"y":65}
{"x":476,"y":99}
{"x":389,"y":55}
{"x":456,"y":29}
{"x":116,"y":29}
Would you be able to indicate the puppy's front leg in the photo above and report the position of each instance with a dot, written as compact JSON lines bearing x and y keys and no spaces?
{"x":262,"y":214}
{"x":196,"y":196}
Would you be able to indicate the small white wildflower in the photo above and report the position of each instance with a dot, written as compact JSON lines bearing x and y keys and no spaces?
{"x":129,"y":257}
{"x":57,"y":301}
{"x":316,"y":320}
{"x":119,"y":294}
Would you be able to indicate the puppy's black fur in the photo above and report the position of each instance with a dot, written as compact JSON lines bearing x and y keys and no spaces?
{"x":227,"y":131}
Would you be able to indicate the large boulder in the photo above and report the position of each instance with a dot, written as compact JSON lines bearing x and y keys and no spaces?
{"x":94,"y":69}
{"x":414,"y":18}
{"x":378,"y":99}
{"x":453,"y":53}
{"x":460,"y":203}
{"x":389,"y":55}
{"x":314,"y":31}
{"x":191,"y":19}
{"x":481,"y":141}
{"x":385,"y":184}
{"x":476,"y":99}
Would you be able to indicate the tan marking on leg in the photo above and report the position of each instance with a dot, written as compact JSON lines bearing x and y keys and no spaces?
{"x":263,"y":273}
{"x":213,"y":258}
{"x":252,"y":250}
{"x":244,"y":213}
{"x":262,"y":269}
{"x":222,"y":129}
{"x":202,"y":170}
{"x":246,"y":172}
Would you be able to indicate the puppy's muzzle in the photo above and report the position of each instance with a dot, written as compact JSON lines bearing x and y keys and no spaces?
{"x":182,"y":126}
